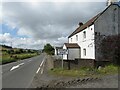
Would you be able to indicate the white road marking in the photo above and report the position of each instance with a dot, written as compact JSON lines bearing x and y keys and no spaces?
{"x":42,"y":63}
{"x":38,"y":70}
{"x":14,"y":67}
{"x":42,"y":69}
{"x":20,"y":64}
{"x":17,"y":66}
{"x":40,"y":66}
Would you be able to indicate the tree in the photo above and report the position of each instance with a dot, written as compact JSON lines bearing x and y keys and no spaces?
{"x":48,"y":49}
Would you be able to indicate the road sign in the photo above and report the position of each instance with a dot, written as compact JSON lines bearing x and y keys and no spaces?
{"x":62,"y":51}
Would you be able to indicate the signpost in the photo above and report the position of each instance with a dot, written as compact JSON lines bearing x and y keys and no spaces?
{"x":62,"y":52}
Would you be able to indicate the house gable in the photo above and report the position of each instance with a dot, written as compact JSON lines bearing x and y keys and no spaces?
{"x":91,"y":21}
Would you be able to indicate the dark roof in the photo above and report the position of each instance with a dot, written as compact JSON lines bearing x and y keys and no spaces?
{"x":90,"y":22}
{"x":71,"y":45}
{"x":58,"y":47}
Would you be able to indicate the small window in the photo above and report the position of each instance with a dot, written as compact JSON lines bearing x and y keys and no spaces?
{"x":84,"y":34}
{"x":76,"y":37}
{"x":97,"y":33}
{"x":71,"y":39}
{"x":84,"y":52}
{"x":91,"y":28}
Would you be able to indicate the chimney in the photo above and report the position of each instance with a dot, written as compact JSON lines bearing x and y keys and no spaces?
{"x":80,"y":24}
{"x":109,"y":2}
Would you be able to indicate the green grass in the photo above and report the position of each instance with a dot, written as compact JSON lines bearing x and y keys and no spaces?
{"x":7,"y":59}
{"x":85,"y":72}
{"x":109,"y":69}
{"x":8,"y":55}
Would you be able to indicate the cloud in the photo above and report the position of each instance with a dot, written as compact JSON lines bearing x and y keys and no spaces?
{"x":48,"y":22}
{"x":28,"y":43}
{"x":5,"y":38}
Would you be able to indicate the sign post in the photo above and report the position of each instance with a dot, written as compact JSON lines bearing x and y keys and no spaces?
{"x":62,"y":52}
{"x":62,"y":61}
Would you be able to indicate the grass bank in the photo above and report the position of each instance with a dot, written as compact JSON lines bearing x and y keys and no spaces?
{"x":85,"y":72}
{"x":7,"y":58}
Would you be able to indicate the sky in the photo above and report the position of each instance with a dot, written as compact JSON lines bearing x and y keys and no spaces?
{"x":33,"y":24}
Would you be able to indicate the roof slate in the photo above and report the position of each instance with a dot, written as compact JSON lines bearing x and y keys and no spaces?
{"x":72,"y":45}
{"x":89,"y":23}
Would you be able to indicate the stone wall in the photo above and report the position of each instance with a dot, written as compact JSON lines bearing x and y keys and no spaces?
{"x":74,"y":64}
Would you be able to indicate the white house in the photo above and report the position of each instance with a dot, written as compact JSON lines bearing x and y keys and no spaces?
{"x":71,"y":48}
{"x":56,"y":52}
{"x":82,"y":42}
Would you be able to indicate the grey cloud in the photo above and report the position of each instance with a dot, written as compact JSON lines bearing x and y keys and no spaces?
{"x":50,"y":21}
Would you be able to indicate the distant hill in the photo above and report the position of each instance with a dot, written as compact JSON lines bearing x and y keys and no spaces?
{"x":5,"y":46}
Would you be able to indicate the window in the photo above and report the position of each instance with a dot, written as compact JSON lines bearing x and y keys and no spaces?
{"x":76,"y":37}
{"x":84,"y":52}
{"x":71,"y":39}
{"x":97,"y":33}
{"x":84,"y":34}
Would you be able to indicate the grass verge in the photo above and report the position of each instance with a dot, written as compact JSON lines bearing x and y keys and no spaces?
{"x":85,"y":72}
{"x":7,"y":58}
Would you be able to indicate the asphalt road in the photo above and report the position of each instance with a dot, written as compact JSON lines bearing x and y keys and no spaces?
{"x":20,"y":74}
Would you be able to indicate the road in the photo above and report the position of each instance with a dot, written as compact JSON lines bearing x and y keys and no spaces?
{"x":20,"y":74}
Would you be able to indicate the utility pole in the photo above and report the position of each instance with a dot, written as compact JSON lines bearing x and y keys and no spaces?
{"x":11,"y":44}
{"x":62,"y":61}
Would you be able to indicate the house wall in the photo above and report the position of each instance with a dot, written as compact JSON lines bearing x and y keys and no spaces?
{"x":87,"y":43}
{"x":119,"y":20}
{"x":106,"y":24}
{"x":55,"y":51}
{"x":64,"y":56}
{"x":73,"y":53}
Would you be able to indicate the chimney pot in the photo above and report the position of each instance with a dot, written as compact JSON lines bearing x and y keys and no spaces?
{"x":80,"y":24}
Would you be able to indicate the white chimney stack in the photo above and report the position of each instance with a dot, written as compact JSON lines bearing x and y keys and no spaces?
{"x":109,"y":2}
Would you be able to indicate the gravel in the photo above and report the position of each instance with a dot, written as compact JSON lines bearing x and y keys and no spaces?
{"x":46,"y":80}
{"x":110,"y":81}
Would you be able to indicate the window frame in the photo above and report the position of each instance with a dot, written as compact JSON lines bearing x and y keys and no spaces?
{"x":76,"y":37}
{"x":84,"y":51}
{"x":84,"y":34}
{"x":71,"y":39}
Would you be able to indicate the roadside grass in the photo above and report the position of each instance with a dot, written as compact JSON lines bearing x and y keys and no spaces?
{"x":85,"y":72}
{"x":6,"y":58}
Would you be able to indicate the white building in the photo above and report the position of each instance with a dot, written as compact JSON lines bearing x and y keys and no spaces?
{"x":82,"y":42}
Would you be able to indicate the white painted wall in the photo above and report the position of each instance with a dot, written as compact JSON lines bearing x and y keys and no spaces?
{"x":55,"y":51}
{"x":87,"y":43}
{"x":73,"y":53}
{"x":56,"y":54}
{"x":64,"y":56}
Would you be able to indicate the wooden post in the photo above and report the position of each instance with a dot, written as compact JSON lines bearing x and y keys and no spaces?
{"x":68,"y":64}
{"x":62,"y":61}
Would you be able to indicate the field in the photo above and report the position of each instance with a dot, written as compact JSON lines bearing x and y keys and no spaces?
{"x":8,"y":55}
